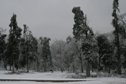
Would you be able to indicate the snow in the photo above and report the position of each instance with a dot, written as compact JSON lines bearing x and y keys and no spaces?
{"x":96,"y":81}
{"x":34,"y":75}
{"x":56,"y":76}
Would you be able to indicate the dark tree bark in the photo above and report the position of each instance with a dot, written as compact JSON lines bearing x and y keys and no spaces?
{"x":87,"y":68}
{"x":81,"y":63}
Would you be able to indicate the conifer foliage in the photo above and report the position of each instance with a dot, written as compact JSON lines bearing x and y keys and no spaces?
{"x":115,"y":23}
{"x":83,"y":33}
{"x":13,"y":43}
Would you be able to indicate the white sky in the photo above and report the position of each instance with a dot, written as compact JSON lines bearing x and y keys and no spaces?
{"x":54,"y":18}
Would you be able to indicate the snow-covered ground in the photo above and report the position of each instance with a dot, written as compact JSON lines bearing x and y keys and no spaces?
{"x":56,"y":76}
{"x":34,"y":75}
{"x":96,"y":81}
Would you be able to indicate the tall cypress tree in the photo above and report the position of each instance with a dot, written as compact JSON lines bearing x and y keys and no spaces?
{"x":79,"y":20}
{"x":115,"y":23}
{"x":83,"y":33}
{"x":13,"y":42}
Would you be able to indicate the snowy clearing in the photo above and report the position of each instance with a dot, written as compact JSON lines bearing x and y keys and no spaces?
{"x":35,"y":75}
{"x":55,"y":76}
{"x":96,"y":81}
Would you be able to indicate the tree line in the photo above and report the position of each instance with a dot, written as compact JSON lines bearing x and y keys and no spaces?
{"x":85,"y":51}
{"x":20,"y":50}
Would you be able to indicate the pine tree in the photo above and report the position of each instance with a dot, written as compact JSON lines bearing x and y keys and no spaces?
{"x":77,"y":29}
{"x":115,"y":23}
{"x":34,"y":47}
{"x":22,"y":59}
{"x":30,"y":48}
{"x":2,"y":46}
{"x":27,"y":45}
{"x":105,"y":53}
{"x":83,"y":33}
{"x":13,"y":43}
{"x":46,"y":54}
{"x":24,"y":46}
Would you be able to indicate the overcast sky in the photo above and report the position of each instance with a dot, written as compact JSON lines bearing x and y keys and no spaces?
{"x":54,"y":18}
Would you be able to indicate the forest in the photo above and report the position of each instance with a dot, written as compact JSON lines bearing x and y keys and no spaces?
{"x":84,"y":52}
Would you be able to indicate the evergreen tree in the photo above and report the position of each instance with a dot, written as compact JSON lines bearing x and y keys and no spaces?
{"x":30,"y":47}
{"x":13,"y":43}
{"x":79,"y":20}
{"x":46,"y":54}
{"x":22,"y":60}
{"x":24,"y":45}
{"x":115,"y":23}
{"x":83,"y":33}
{"x":2,"y":45}
{"x":105,"y":53}
{"x":33,"y":56}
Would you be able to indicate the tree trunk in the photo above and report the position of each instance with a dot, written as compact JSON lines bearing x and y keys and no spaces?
{"x":81,"y":62}
{"x":99,"y":64}
{"x":87,"y":68}
{"x":118,"y":52}
{"x":10,"y":67}
{"x":109,"y":70}
{"x":50,"y":64}
{"x":92,"y":68}
{"x":73,"y":68}
{"x":37,"y":65}
{"x":45,"y":66}
{"x":13,"y":64}
{"x":27,"y":65}
{"x":27,"y":57}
